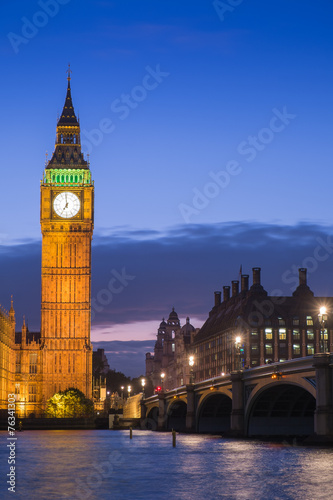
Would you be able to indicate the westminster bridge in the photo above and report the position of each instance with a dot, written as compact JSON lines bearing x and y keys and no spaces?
{"x":290,"y":398}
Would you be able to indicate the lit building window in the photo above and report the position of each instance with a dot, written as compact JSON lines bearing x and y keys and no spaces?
{"x":254,"y":333}
{"x":268,"y":333}
{"x":296,"y":349}
{"x":269,"y":348}
{"x":173,"y":347}
{"x":296,"y":334}
{"x":310,"y":333}
{"x":282,"y":333}
{"x":309,"y":320}
{"x":281,"y":321}
{"x":310,"y":349}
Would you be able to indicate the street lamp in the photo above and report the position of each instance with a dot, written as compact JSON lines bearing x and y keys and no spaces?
{"x":143,"y":383}
{"x":129,"y":388}
{"x":238,"y":344}
{"x":322,"y":317}
{"x":162,"y":378}
{"x":122,"y":392}
{"x":191,"y":363}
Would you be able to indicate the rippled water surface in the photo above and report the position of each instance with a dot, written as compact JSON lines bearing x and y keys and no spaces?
{"x":105,"y":464}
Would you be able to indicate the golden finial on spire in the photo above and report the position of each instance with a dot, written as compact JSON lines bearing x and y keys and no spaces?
{"x":69,"y":71}
{"x":46,"y":157}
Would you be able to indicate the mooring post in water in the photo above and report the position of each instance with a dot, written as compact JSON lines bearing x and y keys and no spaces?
{"x":173,"y":438}
{"x":131,"y":432}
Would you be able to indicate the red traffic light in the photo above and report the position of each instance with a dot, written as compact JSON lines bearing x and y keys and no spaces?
{"x":158,"y":388}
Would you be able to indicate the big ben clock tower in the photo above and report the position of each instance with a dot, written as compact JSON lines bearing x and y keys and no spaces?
{"x":67,"y":208}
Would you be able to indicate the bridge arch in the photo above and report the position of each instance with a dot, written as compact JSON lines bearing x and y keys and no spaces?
{"x":213,"y":413}
{"x":176,"y":415}
{"x":281,"y":409}
{"x":151,"y":420}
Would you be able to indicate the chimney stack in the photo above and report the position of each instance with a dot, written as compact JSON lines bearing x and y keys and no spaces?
{"x":235,"y":288}
{"x":217,"y":296}
{"x":226,"y":293}
{"x":302,"y":275}
{"x":256,"y":275}
{"x":244,"y":282}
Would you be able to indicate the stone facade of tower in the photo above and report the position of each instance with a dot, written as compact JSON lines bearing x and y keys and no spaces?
{"x":67,"y":204}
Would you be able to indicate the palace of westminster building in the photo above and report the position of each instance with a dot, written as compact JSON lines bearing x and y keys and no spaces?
{"x":36,"y":365}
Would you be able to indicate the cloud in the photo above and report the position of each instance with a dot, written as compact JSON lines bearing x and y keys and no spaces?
{"x":181,"y":267}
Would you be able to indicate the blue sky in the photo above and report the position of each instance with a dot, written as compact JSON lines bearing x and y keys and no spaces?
{"x":222,"y":86}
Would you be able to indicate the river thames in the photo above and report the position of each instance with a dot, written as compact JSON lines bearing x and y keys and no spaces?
{"x":102,"y":464}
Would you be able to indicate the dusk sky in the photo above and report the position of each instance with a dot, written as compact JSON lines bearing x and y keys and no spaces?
{"x":209,"y":131}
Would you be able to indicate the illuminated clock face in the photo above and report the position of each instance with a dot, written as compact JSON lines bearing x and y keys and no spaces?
{"x":66,"y":204}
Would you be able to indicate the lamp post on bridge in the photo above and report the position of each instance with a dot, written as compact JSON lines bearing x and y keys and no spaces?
{"x":143,"y":383}
{"x":322,"y":317}
{"x":191,"y":363}
{"x":238,"y":345}
{"x":162,"y":380}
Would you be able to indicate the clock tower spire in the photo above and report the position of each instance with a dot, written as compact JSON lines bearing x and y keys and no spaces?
{"x":67,"y":203}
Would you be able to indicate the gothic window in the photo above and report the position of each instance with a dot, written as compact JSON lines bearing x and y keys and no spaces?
{"x":33,"y":362}
{"x":32,"y":393}
{"x":17,"y":392}
{"x":18,"y":363}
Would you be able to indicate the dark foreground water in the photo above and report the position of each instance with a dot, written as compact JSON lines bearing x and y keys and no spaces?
{"x":108,"y":465}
